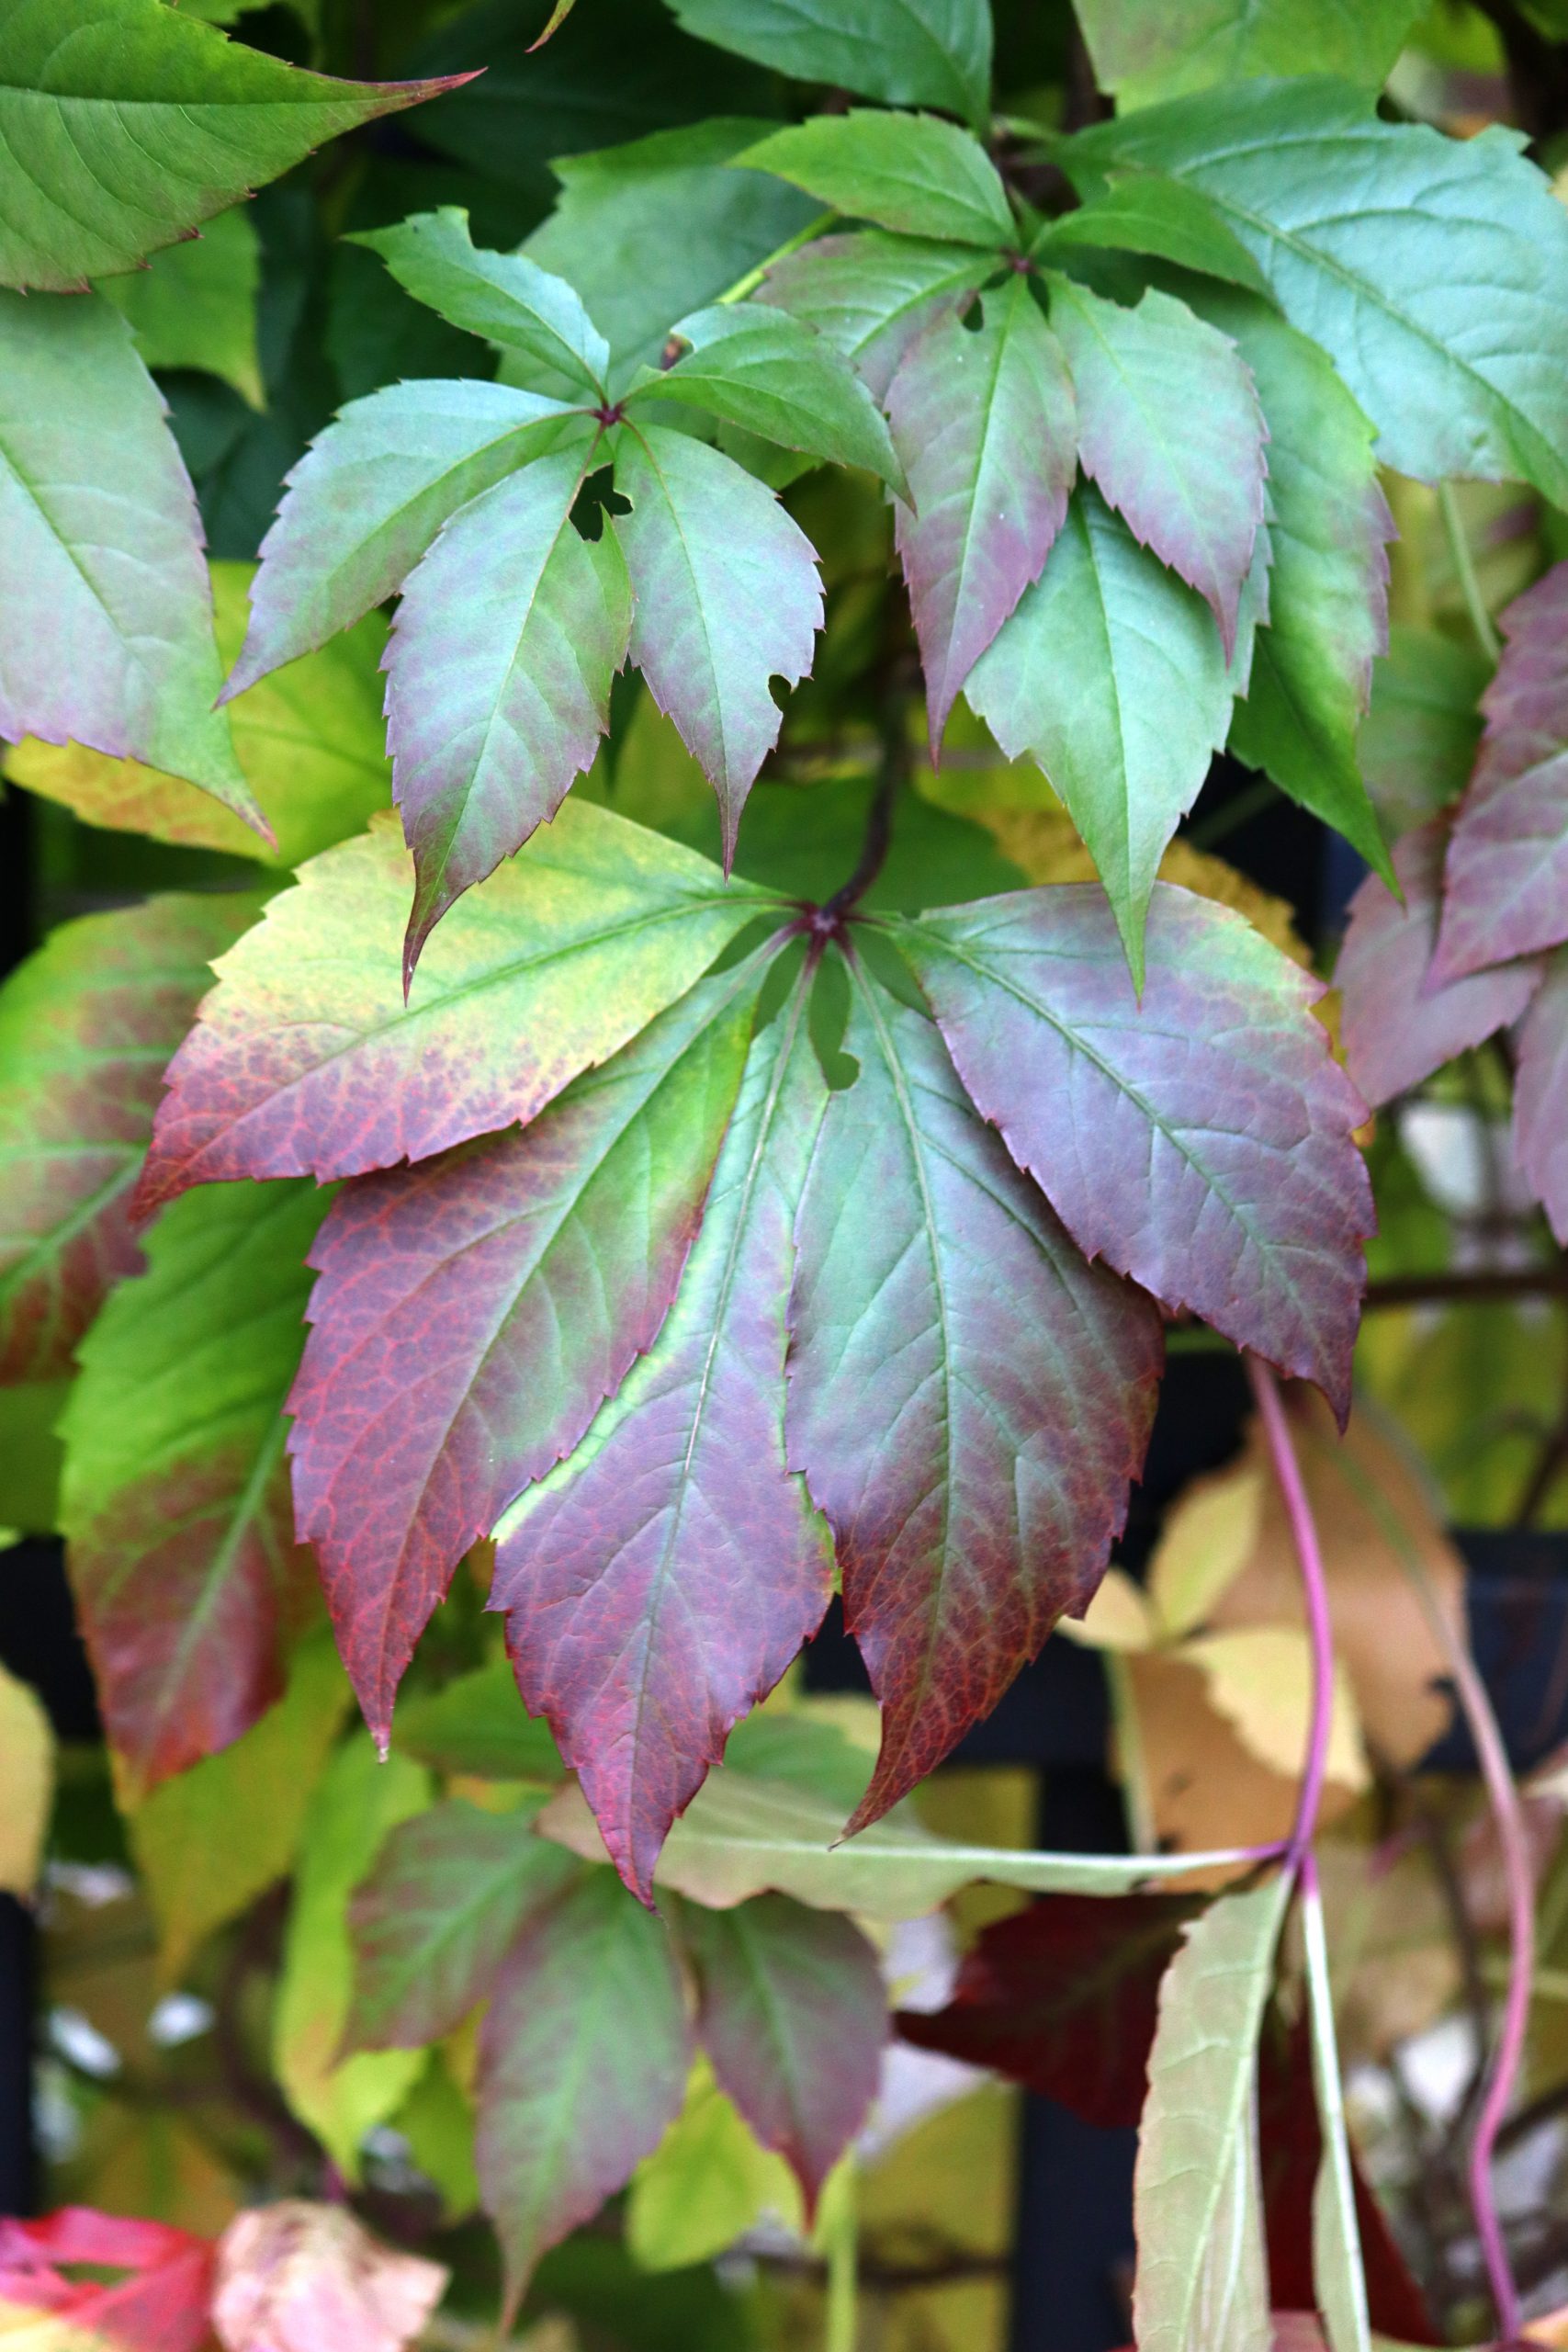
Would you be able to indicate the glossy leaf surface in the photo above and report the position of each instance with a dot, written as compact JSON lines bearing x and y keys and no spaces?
{"x":1149,"y":212}
{"x":984,"y":421}
{"x":505,"y":297}
{"x":660,"y":1582}
{"x":907,"y":172}
{"x":521,"y":1278}
{"x":909,"y":52}
{"x":307,"y":1059}
{"x":967,"y":1398}
{"x":1198,"y":1140}
{"x":86,"y":1026}
{"x":792,"y":2011}
{"x":725,"y":598}
{"x":869,"y":294}
{"x":175,"y":1497}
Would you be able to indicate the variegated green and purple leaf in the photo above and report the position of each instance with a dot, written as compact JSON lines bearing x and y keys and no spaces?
{"x":869,"y":294}
{"x":1541,"y":1095}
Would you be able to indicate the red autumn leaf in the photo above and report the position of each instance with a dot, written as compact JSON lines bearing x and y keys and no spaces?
{"x":162,"y":2304}
{"x":301,"y":2277}
{"x":1063,"y":1998}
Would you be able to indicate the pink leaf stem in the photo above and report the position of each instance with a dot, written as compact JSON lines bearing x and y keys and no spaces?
{"x":1303,"y":1533}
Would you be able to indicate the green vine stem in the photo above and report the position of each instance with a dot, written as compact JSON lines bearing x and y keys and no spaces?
{"x":839,"y":2235}
{"x":1464,"y":569}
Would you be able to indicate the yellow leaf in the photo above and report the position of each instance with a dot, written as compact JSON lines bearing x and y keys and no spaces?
{"x":26,"y":1775}
{"x":705,"y":2184}
{"x":1118,"y":1618}
{"x":1209,"y":1534}
{"x":1259,"y":1677}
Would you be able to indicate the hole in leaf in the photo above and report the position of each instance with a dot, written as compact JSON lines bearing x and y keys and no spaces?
{"x":597,"y":498}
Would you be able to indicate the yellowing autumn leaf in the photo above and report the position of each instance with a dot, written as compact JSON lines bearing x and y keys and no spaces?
{"x":27,"y":1775}
{"x":1209,"y":1534}
{"x":1259,"y":1678}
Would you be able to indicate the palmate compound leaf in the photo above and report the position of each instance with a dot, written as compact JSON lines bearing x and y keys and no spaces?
{"x":908,"y":172}
{"x":180,"y":1540}
{"x":968,"y":1400}
{"x":472,"y":1313}
{"x":1432,"y":270}
{"x":659,"y":1581}
{"x":727,"y":598}
{"x":984,"y":421}
{"x":1540,"y":1095}
{"x":1400,"y":1022}
{"x":1505,"y":885}
{"x":85,"y":1027}
{"x":1199,"y":1140}
{"x":870,"y":293}
{"x":1170,"y":429}
{"x":908,"y":53}
{"x":506,"y":642}
{"x":793,"y":2012}
{"x":1111,"y":675}
{"x":307,"y":1059}
{"x":504,"y":298}
{"x":111,"y":641}
{"x":125,"y":123}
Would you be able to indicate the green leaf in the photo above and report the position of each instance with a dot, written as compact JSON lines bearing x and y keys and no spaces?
{"x":869,"y":294}
{"x":1419,"y":741}
{"x":1149,"y":212}
{"x":908,"y":172}
{"x":762,"y":369}
{"x":211,"y":1840}
{"x":175,"y":1497}
{"x":1337,"y":2271}
{"x":705,"y":2186}
{"x":746,"y":1832}
{"x":609,"y":234}
{"x":1111,"y":675}
{"x":1433,"y":271}
{"x":1329,"y":525}
{"x":371,"y":494}
{"x":196,"y":305}
{"x":569,"y":2099}
{"x":1202,"y":2281}
{"x":310,"y":740}
{"x":125,"y":123}
{"x":908,"y":53}
{"x":477,"y":1727}
{"x":727,"y":598}
{"x":354,"y":1807}
{"x":100,"y":546}
{"x":1157,"y":48}
{"x":505,"y":297}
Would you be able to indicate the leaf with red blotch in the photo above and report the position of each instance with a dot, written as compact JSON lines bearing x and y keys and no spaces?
{"x":1507,"y":885}
{"x":1400,"y":1022}
{"x":584,"y":2056}
{"x":174,"y":1499}
{"x":85,"y":1027}
{"x":161,"y":2305}
{"x":726,"y":598}
{"x":1064,"y":1998}
{"x":1199,"y":1141}
{"x":660,"y":1581}
{"x":1541,"y":1095}
{"x":968,"y":1399}
{"x":872,"y":293}
{"x":1170,"y":429}
{"x":472,"y":1314}
{"x":434,"y":1920}
{"x":499,"y":670}
{"x":1291,"y":2140}
{"x":982,"y":419}
{"x":792,"y":2010}
{"x":295,"y":2276}
{"x":305,"y":1059}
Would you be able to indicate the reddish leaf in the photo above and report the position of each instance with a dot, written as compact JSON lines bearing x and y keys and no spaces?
{"x":660,"y":1582}
{"x":584,"y":2056}
{"x":437,"y":1916}
{"x":1507,"y":891}
{"x":1199,"y":1140}
{"x":984,"y":422}
{"x":793,"y":2013}
{"x":1401,"y":1022}
{"x":306,"y":1060}
{"x":299,"y":2277}
{"x":162,"y":2305}
{"x":1541,"y":1095}
{"x":473,"y":1313}
{"x":1292,"y":2143}
{"x":1064,"y":1998}
{"x":969,"y":1400}
{"x":86,"y":1026}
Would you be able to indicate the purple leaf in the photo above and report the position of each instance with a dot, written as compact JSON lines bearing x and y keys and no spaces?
{"x":499,"y":672}
{"x":984,"y":422}
{"x":1170,"y":429}
{"x":1401,"y":1022}
{"x":1199,"y":1140}
{"x":870,"y":294}
{"x":472,"y":1313}
{"x":1541,"y":1095}
{"x":792,"y":2010}
{"x":660,"y":1582}
{"x":1506,"y":888}
{"x":968,"y":1399}
{"x":726,"y":599}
